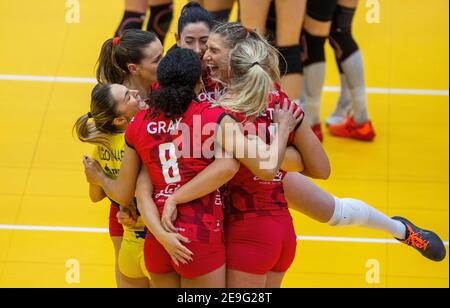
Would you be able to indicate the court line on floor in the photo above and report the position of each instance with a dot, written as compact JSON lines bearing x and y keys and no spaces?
{"x":105,"y":230}
{"x":84,"y":80}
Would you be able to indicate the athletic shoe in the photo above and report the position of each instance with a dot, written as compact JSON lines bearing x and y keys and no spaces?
{"x":350,"y":129}
{"x":339,"y":116}
{"x":426,"y":242}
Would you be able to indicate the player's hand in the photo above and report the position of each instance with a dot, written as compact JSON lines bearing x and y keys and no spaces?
{"x":93,"y":171}
{"x":286,"y":116}
{"x":125,"y":218}
{"x":173,"y":244}
{"x":169,"y":215}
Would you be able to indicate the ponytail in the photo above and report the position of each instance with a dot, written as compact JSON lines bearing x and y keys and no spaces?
{"x":108,"y":71}
{"x":252,"y":81}
{"x":103,"y":112}
{"x":87,"y":132}
{"x":118,"y":52}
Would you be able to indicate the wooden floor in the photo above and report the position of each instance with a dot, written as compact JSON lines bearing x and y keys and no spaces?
{"x":404,"y":172}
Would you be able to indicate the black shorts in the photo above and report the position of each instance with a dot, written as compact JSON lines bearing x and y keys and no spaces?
{"x":321,"y":10}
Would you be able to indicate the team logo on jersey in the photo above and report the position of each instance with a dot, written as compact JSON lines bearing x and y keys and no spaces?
{"x":278,"y":178}
{"x":168,"y":191}
{"x":211,"y":96}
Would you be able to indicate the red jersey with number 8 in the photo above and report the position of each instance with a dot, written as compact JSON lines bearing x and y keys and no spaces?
{"x":174,"y":152}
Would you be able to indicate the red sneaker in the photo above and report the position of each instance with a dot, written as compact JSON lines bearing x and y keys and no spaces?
{"x":350,"y":129}
{"x":317,"y":130}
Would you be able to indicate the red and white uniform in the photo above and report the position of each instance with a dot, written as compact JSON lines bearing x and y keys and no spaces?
{"x":157,"y":140}
{"x":249,"y":196}
{"x":259,"y":232}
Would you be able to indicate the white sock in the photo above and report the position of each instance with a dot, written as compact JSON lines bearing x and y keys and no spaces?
{"x":352,"y":212}
{"x":353,"y":68}
{"x":313,"y":82}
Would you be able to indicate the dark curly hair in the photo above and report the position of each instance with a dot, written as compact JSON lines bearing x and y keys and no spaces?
{"x":178,"y":73}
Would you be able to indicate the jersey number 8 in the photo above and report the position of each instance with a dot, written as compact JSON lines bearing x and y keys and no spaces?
{"x":168,"y":164}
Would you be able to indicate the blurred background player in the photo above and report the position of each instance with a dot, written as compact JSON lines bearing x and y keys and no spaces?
{"x":254,"y":14}
{"x":161,"y":13}
{"x":333,"y":19}
{"x":220,"y":10}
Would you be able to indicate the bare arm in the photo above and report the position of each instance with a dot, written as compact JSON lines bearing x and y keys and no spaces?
{"x":217,"y":174}
{"x":220,"y":172}
{"x":293,"y":161}
{"x":263,"y":160}
{"x":316,"y":162}
{"x":122,"y":189}
{"x":96,"y":193}
{"x":172,"y":242}
{"x":146,"y":205}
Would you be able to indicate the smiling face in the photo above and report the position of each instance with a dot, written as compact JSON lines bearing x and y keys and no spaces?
{"x":194,"y":36}
{"x":217,"y":57}
{"x":128,"y":103}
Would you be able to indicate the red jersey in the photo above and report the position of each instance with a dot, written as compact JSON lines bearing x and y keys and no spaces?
{"x":248,"y":196}
{"x":173,"y":150}
{"x":211,"y":90}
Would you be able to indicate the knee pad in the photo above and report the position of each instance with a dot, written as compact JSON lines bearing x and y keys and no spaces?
{"x":221,"y":16}
{"x":349,"y":212}
{"x":312,"y":48}
{"x":130,"y":20}
{"x":341,"y":38}
{"x":290,"y":60}
{"x":321,"y":10}
{"x":160,"y":19}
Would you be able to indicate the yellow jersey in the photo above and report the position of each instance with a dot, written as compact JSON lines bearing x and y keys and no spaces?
{"x":110,"y":160}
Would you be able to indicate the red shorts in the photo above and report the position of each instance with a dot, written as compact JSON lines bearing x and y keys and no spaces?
{"x":260,"y":245}
{"x":115,"y":228}
{"x":206,"y":259}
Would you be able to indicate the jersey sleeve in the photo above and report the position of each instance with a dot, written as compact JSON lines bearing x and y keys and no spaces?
{"x":131,"y":132}
{"x":213,"y":115}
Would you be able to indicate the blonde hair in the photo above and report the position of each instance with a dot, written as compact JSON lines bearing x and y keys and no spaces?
{"x":251,"y":66}
{"x":234,"y":33}
{"x":103,"y":112}
{"x":254,"y":67}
